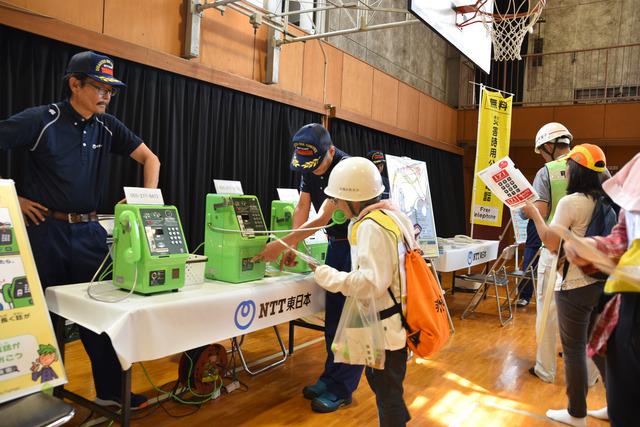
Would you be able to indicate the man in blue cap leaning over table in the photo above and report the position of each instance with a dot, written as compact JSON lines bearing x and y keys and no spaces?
{"x":315,"y":156}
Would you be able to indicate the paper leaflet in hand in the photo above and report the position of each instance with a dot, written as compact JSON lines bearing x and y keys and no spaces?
{"x":628,"y":273}
{"x":508,"y":183}
{"x":587,"y":252}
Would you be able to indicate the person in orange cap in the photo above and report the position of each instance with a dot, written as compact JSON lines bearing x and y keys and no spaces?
{"x":578,"y":294}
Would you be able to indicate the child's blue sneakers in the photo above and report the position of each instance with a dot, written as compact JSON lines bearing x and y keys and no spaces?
{"x":315,"y":390}
{"x":328,"y":402}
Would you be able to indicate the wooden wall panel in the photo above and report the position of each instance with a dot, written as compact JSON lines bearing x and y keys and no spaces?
{"x":428,"y":117}
{"x":384,"y":106}
{"x":470,"y":125}
{"x":585,"y":122}
{"x":408,"y":108}
{"x":610,"y":124}
{"x":291,"y":60}
{"x":525,"y":122}
{"x":158,"y":25}
{"x":618,"y":156}
{"x":260,"y":54}
{"x":622,"y":121}
{"x":313,"y":71}
{"x":226,"y":43}
{"x":460,"y":125}
{"x":83,"y":13}
{"x":357,"y":85}
{"x":526,"y":160}
{"x":446,"y":123}
{"x":335,"y":58}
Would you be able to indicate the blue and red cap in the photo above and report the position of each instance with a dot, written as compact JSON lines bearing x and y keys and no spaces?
{"x":310,"y":144}
{"x":376,"y":156}
{"x":99,"y":67}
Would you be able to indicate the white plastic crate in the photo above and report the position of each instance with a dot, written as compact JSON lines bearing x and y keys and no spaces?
{"x":194,"y":269}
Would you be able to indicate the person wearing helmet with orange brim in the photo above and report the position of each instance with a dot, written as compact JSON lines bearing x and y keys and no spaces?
{"x":618,"y":330}
{"x":577,"y":295}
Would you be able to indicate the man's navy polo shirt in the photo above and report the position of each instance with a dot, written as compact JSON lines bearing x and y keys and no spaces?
{"x":315,"y":185}
{"x":68,"y":159}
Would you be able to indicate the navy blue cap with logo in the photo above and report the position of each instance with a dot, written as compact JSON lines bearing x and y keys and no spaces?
{"x":98,"y":67}
{"x":376,"y":156}
{"x":310,"y":144}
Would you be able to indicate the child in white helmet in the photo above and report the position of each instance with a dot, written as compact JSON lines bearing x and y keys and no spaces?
{"x":377,"y":255}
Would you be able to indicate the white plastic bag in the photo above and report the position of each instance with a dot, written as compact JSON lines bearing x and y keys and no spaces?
{"x":359,"y":338}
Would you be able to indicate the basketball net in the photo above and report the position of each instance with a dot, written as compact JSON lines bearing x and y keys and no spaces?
{"x":506,"y":27}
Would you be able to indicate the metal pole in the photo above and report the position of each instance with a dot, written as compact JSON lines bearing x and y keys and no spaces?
{"x":492,"y":88}
{"x":351,"y":31}
{"x":475,"y":166}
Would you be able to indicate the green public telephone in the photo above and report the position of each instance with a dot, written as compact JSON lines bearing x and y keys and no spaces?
{"x":8,"y":244}
{"x":282,"y":219}
{"x":149,"y":248}
{"x":17,"y":293}
{"x":230,"y":238}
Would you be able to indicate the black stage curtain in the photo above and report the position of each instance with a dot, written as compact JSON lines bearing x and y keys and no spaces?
{"x":202,"y":131}
{"x":199,"y":131}
{"x":445,"y":169}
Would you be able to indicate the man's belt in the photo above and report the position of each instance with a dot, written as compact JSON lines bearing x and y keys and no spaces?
{"x":73,"y":218}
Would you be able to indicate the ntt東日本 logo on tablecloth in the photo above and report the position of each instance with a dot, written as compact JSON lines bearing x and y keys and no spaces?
{"x":245,"y":313}
{"x":475,"y":256}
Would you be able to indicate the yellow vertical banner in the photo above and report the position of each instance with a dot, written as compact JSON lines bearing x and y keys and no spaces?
{"x":29,"y":356}
{"x":494,"y":134}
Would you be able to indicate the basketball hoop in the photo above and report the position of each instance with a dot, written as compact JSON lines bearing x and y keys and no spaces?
{"x":507,"y":27}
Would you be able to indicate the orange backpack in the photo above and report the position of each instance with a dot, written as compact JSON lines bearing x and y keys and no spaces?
{"x":425,"y":320}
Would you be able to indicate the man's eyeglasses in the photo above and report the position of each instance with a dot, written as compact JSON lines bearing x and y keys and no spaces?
{"x":103,"y":91}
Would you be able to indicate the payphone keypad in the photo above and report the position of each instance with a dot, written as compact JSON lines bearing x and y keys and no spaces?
{"x":163,"y":231}
{"x":5,"y":237}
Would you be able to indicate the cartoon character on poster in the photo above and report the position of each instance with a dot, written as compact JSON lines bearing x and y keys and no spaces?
{"x":41,"y":369}
{"x":410,"y":192}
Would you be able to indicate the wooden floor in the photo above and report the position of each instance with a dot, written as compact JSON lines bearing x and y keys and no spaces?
{"x":479,"y":379}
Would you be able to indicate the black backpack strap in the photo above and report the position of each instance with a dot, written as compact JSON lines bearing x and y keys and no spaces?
{"x":388,"y":312}
{"x":396,"y":308}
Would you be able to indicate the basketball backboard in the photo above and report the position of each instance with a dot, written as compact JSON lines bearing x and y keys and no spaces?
{"x":473,"y":41}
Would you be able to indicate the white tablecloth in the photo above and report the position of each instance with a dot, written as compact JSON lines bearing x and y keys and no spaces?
{"x":458,"y":255}
{"x":150,"y":327}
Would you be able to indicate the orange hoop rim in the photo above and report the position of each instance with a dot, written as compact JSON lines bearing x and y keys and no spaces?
{"x":479,"y":14}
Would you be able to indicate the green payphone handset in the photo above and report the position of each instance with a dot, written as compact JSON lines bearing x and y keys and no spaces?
{"x":282,"y":219}
{"x":8,"y":244}
{"x":230,"y":238}
{"x":17,"y":293}
{"x":149,"y":248}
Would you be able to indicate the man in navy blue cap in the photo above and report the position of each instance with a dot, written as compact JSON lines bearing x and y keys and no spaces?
{"x":377,"y":157}
{"x":68,"y":146}
{"x":315,"y":156}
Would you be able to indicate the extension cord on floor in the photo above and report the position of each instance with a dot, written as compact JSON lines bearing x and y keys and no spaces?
{"x":234,"y":385}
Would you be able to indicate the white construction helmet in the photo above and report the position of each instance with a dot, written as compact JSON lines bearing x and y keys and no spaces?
{"x":354,"y":179}
{"x":550,"y":133}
